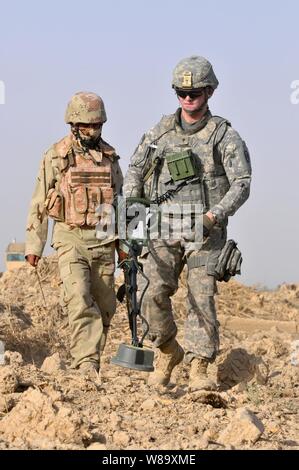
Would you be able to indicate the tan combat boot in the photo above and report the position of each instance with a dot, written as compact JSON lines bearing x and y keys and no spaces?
{"x":171,"y":354}
{"x":89,"y":369}
{"x":198,"y":379}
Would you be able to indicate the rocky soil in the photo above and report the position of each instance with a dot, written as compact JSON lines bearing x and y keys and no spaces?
{"x":45,"y":405}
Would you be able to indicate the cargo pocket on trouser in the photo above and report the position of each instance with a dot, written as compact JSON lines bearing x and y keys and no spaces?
{"x":201,"y":327}
{"x":65,"y":253}
{"x":64,"y":297}
{"x":102,"y":281}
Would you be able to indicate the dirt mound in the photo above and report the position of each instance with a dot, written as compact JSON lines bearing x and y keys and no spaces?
{"x":41,"y":420}
{"x":237,"y":300}
{"x":45,"y":405}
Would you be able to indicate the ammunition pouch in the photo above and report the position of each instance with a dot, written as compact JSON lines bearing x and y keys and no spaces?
{"x":222,"y":264}
{"x":181,"y":165}
{"x":54,"y":205}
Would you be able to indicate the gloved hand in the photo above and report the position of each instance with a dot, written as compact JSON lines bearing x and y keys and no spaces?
{"x":208,"y":221}
{"x":122,"y":254}
{"x":33,"y":260}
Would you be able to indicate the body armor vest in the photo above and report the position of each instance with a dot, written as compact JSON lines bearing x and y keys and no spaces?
{"x":211,"y":184}
{"x":82,"y":185}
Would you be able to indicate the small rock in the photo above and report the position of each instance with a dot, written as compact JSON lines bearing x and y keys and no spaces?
{"x":203,"y":443}
{"x":123,"y":381}
{"x":96,"y":446}
{"x":168,"y":445}
{"x":272,"y":427}
{"x":54,"y":394}
{"x":94,"y":419}
{"x":114,"y":401}
{"x":239,"y":388}
{"x":191,"y":430}
{"x":244,"y":427}
{"x":52,"y":364}
{"x":13,"y":358}
{"x":115,"y":421}
{"x":140,"y":424}
{"x":6,"y":403}
{"x":64,"y":412}
{"x":8,"y":380}
{"x":105,"y":403}
{"x":149,"y":404}
{"x":211,"y":433}
{"x":121,"y":438}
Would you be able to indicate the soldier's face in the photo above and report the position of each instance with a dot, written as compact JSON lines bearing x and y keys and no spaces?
{"x":89,"y":134}
{"x":194,"y":103}
{"x":90,"y":129}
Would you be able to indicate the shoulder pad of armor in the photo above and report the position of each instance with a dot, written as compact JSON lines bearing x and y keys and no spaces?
{"x":219,"y":120}
{"x":50,"y":152}
{"x":221,"y":127}
{"x":166,"y":123}
{"x":108,"y":150}
{"x":63,"y":147}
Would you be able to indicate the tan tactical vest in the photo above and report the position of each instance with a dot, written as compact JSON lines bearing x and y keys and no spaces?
{"x":82,"y":185}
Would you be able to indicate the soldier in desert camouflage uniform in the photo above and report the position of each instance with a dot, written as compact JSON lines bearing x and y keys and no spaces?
{"x":77,"y":174}
{"x":223,"y":186}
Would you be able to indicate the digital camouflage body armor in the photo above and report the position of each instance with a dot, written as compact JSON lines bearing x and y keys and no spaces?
{"x":210,"y":179}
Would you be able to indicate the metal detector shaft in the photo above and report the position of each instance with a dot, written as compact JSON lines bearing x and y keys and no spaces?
{"x":134,"y":304}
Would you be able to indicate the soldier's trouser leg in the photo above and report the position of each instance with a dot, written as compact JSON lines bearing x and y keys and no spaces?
{"x":102,"y":278}
{"x":163,"y":268}
{"x":201,"y":327}
{"x":78,"y":266}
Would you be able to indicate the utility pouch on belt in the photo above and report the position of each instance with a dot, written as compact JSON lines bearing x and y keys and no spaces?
{"x":181,"y":165}
{"x":229,"y":262}
{"x":54,"y":205}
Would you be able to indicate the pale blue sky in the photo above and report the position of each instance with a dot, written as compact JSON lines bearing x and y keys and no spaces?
{"x":125,"y":51}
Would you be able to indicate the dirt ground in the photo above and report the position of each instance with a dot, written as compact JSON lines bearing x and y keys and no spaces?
{"x":45,"y":405}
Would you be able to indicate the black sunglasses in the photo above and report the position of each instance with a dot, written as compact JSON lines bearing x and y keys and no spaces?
{"x":192,"y":94}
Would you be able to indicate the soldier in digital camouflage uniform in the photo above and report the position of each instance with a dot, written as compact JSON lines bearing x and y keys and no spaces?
{"x":77,"y":174}
{"x":222,"y":187}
